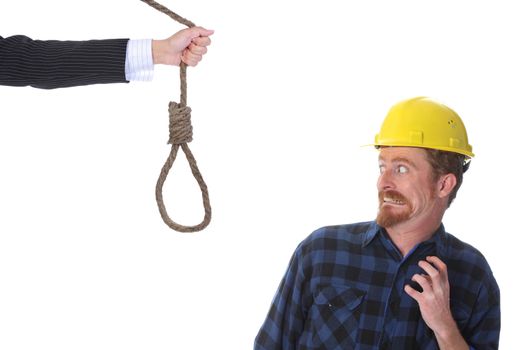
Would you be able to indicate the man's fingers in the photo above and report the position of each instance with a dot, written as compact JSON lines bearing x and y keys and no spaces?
{"x":438,"y":263}
{"x":197,"y":50}
{"x":200,"y":32}
{"x":201,"y":41}
{"x":434,"y":267}
{"x":428,"y":268}
{"x":424,"y":281}
{"x":413,"y":293}
{"x":191,"y":59}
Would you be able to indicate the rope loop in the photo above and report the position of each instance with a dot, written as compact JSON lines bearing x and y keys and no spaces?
{"x":181,"y":133}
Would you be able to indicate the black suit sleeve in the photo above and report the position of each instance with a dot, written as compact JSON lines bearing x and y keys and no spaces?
{"x":53,"y":64}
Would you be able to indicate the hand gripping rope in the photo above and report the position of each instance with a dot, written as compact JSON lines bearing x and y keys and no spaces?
{"x":180,"y":134}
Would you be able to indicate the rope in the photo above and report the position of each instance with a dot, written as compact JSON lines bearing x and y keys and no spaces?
{"x":180,"y":135}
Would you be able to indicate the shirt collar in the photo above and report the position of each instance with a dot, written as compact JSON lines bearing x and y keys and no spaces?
{"x":439,"y":237}
{"x":371,"y":233}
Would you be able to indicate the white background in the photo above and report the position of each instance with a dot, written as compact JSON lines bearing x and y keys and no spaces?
{"x":282,"y":103}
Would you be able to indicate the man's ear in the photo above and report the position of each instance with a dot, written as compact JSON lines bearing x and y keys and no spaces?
{"x":446,"y":184}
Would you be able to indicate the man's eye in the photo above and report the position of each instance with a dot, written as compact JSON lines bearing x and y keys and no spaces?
{"x":381,"y":169}
{"x":402,"y":169}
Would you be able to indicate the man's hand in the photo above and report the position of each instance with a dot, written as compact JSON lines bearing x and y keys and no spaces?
{"x":434,"y":303}
{"x":187,"y":45}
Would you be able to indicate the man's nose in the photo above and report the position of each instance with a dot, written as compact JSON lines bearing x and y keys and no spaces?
{"x":385,"y":181}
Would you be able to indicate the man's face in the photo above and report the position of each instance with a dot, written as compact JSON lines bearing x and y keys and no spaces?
{"x":406,"y":189}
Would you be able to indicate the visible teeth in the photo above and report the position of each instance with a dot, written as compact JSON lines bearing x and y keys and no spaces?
{"x":391,"y":200}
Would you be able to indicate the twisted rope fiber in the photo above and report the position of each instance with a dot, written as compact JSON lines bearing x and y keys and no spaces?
{"x":181,"y":133}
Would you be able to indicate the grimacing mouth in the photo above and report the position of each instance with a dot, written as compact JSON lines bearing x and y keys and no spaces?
{"x":391,"y":200}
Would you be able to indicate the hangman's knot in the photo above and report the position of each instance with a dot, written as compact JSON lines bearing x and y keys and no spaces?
{"x":180,"y":127}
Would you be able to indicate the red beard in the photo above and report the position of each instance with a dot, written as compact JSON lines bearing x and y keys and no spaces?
{"x":391,"y":214}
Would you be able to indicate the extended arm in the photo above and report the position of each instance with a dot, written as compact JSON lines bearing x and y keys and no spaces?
{"x":52,"y":64}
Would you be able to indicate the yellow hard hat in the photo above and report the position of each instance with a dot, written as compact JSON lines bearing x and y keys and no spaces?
{"x":423,"y":122}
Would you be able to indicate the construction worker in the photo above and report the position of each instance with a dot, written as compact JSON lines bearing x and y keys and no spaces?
{"x":400,"y":281}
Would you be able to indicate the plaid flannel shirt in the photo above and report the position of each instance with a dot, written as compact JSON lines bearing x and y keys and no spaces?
{"x":344,"y":290}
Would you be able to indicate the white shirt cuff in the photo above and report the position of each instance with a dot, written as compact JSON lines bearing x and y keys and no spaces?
{"x":139,"y":60}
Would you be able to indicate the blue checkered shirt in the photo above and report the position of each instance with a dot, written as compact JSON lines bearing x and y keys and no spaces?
{"x":344,"y":290}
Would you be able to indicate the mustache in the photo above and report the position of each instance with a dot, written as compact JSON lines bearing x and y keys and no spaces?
{"x":391,"y":194}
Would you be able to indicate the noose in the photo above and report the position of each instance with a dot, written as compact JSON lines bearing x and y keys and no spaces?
{"x":180,"y":130}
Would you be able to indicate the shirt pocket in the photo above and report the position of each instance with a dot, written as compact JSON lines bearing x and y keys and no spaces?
{"x":335,"y":317}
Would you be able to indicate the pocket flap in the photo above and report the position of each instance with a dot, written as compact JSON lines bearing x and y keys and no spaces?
{"x":339,"y":296}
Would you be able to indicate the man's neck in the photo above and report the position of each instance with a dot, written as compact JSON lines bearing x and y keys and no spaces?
{"x":406,"y":236}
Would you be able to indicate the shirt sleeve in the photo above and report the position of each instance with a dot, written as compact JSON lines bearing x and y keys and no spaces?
{"x":285,"y":320}
{"x":139,"y":60}
{"x":485,"y":322}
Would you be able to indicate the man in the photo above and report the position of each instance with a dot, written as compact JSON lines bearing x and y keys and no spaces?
{"x":50,"y":64}
{"x":401,"y":281}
